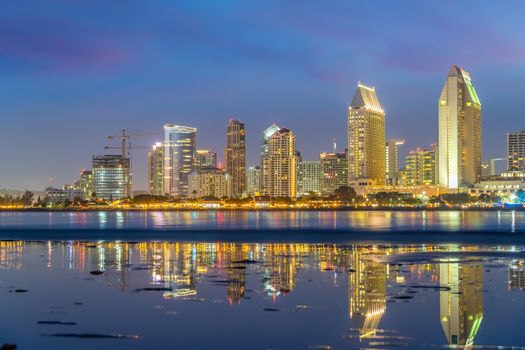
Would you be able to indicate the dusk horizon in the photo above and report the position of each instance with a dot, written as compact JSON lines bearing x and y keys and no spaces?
{"x":74,"y":74}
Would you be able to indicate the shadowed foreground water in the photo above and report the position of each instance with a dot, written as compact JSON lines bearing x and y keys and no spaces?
{"x":198,"y":295}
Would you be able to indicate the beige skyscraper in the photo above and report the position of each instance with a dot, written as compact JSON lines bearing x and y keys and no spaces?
{"x":235,"y":156}
{"x":156,"y":170}
{"x":459,"y":131}
{"x":366,"y":137}
{"x":272,"y":129}
{"x":280,"y":162}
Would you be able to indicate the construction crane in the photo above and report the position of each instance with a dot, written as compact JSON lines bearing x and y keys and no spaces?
{"x":125,"y":141}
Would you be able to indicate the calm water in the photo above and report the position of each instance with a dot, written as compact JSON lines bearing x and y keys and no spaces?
{"x":260,"y":296}
{"x":219,"y":292}
{"x":505,"y":221}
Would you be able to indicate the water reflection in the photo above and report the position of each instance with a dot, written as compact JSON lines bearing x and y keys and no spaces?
{"x":461,"y":302}
{"x":384,"y":220}
{"x":379,"y":276}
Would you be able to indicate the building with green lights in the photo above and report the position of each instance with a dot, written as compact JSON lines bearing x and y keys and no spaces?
{"x":459,"y":132}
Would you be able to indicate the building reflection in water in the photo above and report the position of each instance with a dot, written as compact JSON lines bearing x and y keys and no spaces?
{"x":179,"y":268}
{"x":461,"y":302}
{"x":366,"y":294}
{"x":517,"y":275}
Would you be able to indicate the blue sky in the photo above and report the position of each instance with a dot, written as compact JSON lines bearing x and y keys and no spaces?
{"x":73,"y":72}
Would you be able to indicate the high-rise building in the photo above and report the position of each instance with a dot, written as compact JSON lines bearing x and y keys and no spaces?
{"x":111,"y":177}
{"x":179,"y":158}
{"x":366,"y":137}
{"x":485,"y":169}
{"x":235,"y":156}
{"x":392,"y":160}
{"x":205,"y":159}
{"x":334,"y":172}
{"x":253,"y":180}
{"x":516,"y":151}
{"x":210,"y":182}
{"x":421,"y":167}
{"x":280,"y":161}
{"x":310,"y":179}
{"x":459,"y":131}
{"x":85,"y":183}
{"x":272,"y":129}
{"x":156,"y":170}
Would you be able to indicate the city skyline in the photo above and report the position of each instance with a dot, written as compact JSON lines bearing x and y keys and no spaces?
{"x":58,"y":76}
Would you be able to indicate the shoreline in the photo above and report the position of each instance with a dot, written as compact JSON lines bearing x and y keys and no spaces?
{"x":386,"y":209}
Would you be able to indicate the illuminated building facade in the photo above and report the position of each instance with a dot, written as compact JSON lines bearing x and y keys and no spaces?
{"x":392,"y":160}
{"x":459,"y":132}
{"x":179,"y":158}
{"x":235,"y":156}
{"x":253,"y":180}
{"x":205,"y":159}
{"x":334,"y":172}
{"x":421,"y":167}
{"x":310,"y":179}
{"x":156,"y":170}
{"x":272,"y":129}
{"x":366,"y":137}
{"x":85,"y":184}
{"x":280,"y":179}
{"x":210,"y":182}
{"x":516,"y":151}
{"x":111,"y":177}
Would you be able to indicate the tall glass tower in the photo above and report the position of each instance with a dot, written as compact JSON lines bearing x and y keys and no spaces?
{"x":179,"y":158}
{"x":459,"y":141}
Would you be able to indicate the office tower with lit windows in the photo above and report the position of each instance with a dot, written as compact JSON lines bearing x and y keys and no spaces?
{"x":459,"y":132}
{"x":205,"y":159}
{"x":235,"y":156}
{"x":272,"y":129}
{"x":85,"y":184}
{"x":366,"y":137}
{"x":392,"y":160}
{"x":280,"y":162}
{"x":516,"y":151}
{"x":156,"y":170}
{"x":253,"y":180}
{"x":421,"y":167}
{"x":179,"y":158}
{"x":310,"y":178}
{"x":111,"y":177}
{"x":210,"y":182}
{"x":334,"y":172}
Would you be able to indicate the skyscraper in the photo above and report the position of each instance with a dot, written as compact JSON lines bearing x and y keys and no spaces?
{"x":366,"y":137}
{"x":280,"y":179}
{"x":421,"y":167}
{"x":156,"y":170}
{"x":253,"y":180}
{"x":459,"y":131}
{"x":392,"y":160}
{"x":179,"y":158}
{"x":205,"y":159}
{"x":111,"y":177}
{"x":235,"y":156}
{"x":334,"y":172}
{"x":310,"y":179}
{"x":516,"y":151}
{"x":264,"y":152}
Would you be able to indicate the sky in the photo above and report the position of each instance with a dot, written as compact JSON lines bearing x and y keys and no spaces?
{"x":73,"y":72}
